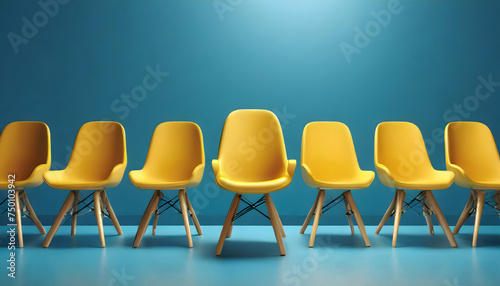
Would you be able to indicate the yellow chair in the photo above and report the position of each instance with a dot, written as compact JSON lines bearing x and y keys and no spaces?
{"x":97,"y":162}
{"x":252,"y":160}
{"x":402,"y":162}
{"x":175,"y":161}
{"x":471,"y":153}
{"x":329,"y":162}
{"x":24,"y":157}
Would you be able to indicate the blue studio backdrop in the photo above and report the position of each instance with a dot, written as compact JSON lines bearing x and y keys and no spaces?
{"x":142,"y":63}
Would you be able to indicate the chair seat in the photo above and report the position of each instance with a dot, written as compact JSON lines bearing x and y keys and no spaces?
{"x":4,"y":185}
{"x":482,"y":185}
{"x":436,"y":180}
{"x":260,"y":187}
{"x":144,"y":180}
{"x":358,"y":180}
{"x":65,"y":181}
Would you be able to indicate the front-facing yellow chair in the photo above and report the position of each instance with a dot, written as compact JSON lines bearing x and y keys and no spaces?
{"x":24,"y":157}
{"x":329,"y":162}
{"x":402,"y":162}
{"x":175,"y":161}
{"x":97,"y":162}
{"x":252,"y":160}
{"x":471,"y":153}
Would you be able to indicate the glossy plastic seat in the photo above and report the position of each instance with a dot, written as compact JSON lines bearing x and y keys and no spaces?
{"x":175,"y":161}
{"x":252,"y":159}
{"x":471,"y":153}
{"x":402,"y":162}
{"x":329,"y":162}
{"x":97,"y":162}
{"x":24,"y":157}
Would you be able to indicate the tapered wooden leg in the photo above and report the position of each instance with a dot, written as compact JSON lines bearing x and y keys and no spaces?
{"x":275,"y":224}
{"x":429,"y":197}
{"x":32,"y":214}
{"x":193,"y":216}
{"x":185,"y":216}
{"x":227,"y":223}
{"x":427,"y":215}
{"x":98,"y":216}
{"x":230,"y":230}
{"x":357,"y":216}
{"x":143,"y":225}
{"x":479,"y":212}
{"x":387,"y":214}
{"x":276,"y":215}
{"x":157,"y":214}
{"x":111,"y":213}
{"x":348,"y":214}
{"x":309,"y":215}
{"x":397,"y":216}
{"x":18,"y":219}
{"x":466,"y":213}
{"x":317,"y":215}
{"x":74,"y":215}
{"x":68,"y":204}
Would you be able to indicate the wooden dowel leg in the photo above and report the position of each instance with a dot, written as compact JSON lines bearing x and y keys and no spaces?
{"x":275,"y":224}
{"x":317,"y":215}
{"x":193,"y":216}
{"x":227,"y":223}
{"x":387,"y":214}
{"x":155,"y":221}
{"x":357,"y":216}
{"x":309,"y":215}
{"x":143,"y":225}
{"x":18,"y":218}
{"x":397,"y":216}
{"x":429,"y":197}
{"x":276,"y":215}
{"x":348,"y":214}
{"x":182,"y":200}
{"x":466,"y":213}
{"x":230,"y":230}
{"x":427,"y":215}
{"x":74,"y":215}
{"x":33,"y":216}
{"x":68,"y":204}
{"x":111,"y":212}
{"x":479,"y":212}
{"x":98,"y":216}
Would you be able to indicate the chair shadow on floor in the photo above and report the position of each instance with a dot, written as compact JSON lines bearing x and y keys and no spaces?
{"x":243,"y":249}
{"x":464,"y":240}
{"x":424,"y":240}
{"x":163,"y":240}
{"x":335,"y":240}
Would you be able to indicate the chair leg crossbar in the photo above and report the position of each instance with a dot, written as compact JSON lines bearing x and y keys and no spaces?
{"x":158,"y":205}
{"x":101,"y":206}
{"x":319,"y":208}
{"x":233,"y":214}
{"x":429,"y":205}
{"x":476,"y":202}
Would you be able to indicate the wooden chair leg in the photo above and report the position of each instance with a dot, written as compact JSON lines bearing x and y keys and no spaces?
{"x":74,"y":215}
{"x":276,"y":215}
{"x":357,"y":216}
{"x":193,"y":216}
{"x":18,"y":218}
{"x":479,"y":212}
{"x":143,"y":225}
{"x":317,"y":215}
{"x":229,"y":218}
{"x":111,"y":213}
{"x":68,"y":204}
{"x":429,"y":197}
{"x":98,"y":216}
{"x":427,"y":216}
{"x":157,"y":214}
{"x":309,"y":215}
{"x":32,"y":215}
{"x":230,"y":230}
{"x":466,"y":213}
{"x":348,"y":214}
{"x":387,"y":214}
{"x":275,"y":224}
{"x":397,"y":216}
{"x":182,"y":200}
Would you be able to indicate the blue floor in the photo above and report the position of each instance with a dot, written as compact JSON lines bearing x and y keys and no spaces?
{"x":251,"y":257}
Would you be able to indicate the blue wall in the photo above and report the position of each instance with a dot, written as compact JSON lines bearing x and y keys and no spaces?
{"x":295,"y":57}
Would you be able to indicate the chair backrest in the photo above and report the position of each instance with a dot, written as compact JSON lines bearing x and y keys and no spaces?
{"x":252,"y":147}
{"x":471,"y":146}
{"x":24,"y":145}
{"x":400,"y":147}
{"x":328,"y":150}
{"x":176,"y":149}
{"x":99,"y":147}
